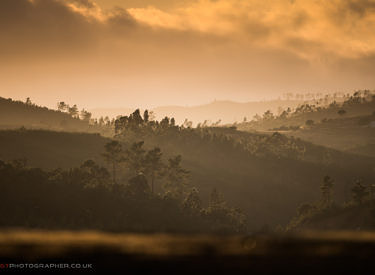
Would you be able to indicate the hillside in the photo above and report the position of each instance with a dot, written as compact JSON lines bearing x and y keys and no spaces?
{"x":268,"y":184}
{"x":85,"y":197}
{"x":352,"y":215}
{"x":50,"y":150}
{"x":16,"y":114}
{"x":349,"y":126}
{"x":358,"y":217}
{"x":352,"y":134}
{"x":267,"y":175}
{"x":353,"y":107}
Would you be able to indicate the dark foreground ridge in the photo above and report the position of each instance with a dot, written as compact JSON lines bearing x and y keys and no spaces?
{"x":300,"y":253}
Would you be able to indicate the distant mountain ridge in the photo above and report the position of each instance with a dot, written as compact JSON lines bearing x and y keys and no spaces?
{"x":224,"y":110}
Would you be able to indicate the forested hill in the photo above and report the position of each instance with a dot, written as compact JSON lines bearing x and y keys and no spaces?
{"x":347,"y":126}
{"x":360,"y":103}
{"x":267,"y":177}
{"x":349,"y":217}
{"x":16,"y":114}
{"x":355,"y":213}
{"x":350,"y":134}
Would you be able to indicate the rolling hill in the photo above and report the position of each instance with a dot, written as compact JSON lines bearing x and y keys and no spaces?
{"x":16,"y":114}
{"x":348,"y":127}
{"x":266,"y":174}
{"x":267,"y":184}
{"x":353,"y":134}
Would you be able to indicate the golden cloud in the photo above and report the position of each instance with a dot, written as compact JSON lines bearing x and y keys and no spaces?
{"x":310,"y":28}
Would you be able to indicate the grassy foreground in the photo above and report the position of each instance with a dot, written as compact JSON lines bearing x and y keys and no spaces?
{"x":302,"y":253}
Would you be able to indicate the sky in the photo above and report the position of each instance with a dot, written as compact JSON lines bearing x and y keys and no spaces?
{"x":139,"y":53}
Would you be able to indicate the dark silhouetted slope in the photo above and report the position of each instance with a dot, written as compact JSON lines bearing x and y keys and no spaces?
{"x":48,"y":149}
{"x":266,"y":176}
{"x":16,"y":114}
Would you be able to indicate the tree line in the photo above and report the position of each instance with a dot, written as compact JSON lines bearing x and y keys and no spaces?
{"x":323,"y":103}
{"x":360,"y":194}
{"x":89,"y":197}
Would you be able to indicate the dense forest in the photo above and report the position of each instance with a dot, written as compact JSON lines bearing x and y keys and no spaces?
{"x":87,"y":197}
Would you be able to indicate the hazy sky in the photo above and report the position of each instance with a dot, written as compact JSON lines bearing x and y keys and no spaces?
{"x":160,"y":52}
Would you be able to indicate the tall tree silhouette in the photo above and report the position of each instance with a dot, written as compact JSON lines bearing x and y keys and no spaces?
{"x":113,"y":155}
{"x":135,"y":157}
{"x":153,"y":164}
{"x":85,"y":115}
{"x":73,"y":111}
{"x":62,"y":107}
{"x":146,"y":116}
{"x":176,"y":177}
{"x":28,"y":101}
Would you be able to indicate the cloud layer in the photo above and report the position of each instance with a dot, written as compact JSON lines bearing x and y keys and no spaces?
{"x":307,"y":27}
{"x":185,"y":53}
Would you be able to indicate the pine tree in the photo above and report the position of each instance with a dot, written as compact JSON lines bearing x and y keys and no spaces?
{"x":135,"y":158}
{"x":153,"y":165}
{"x":146,"y":116}
{"x":113,"y":155}
{"x":176,"y":178}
